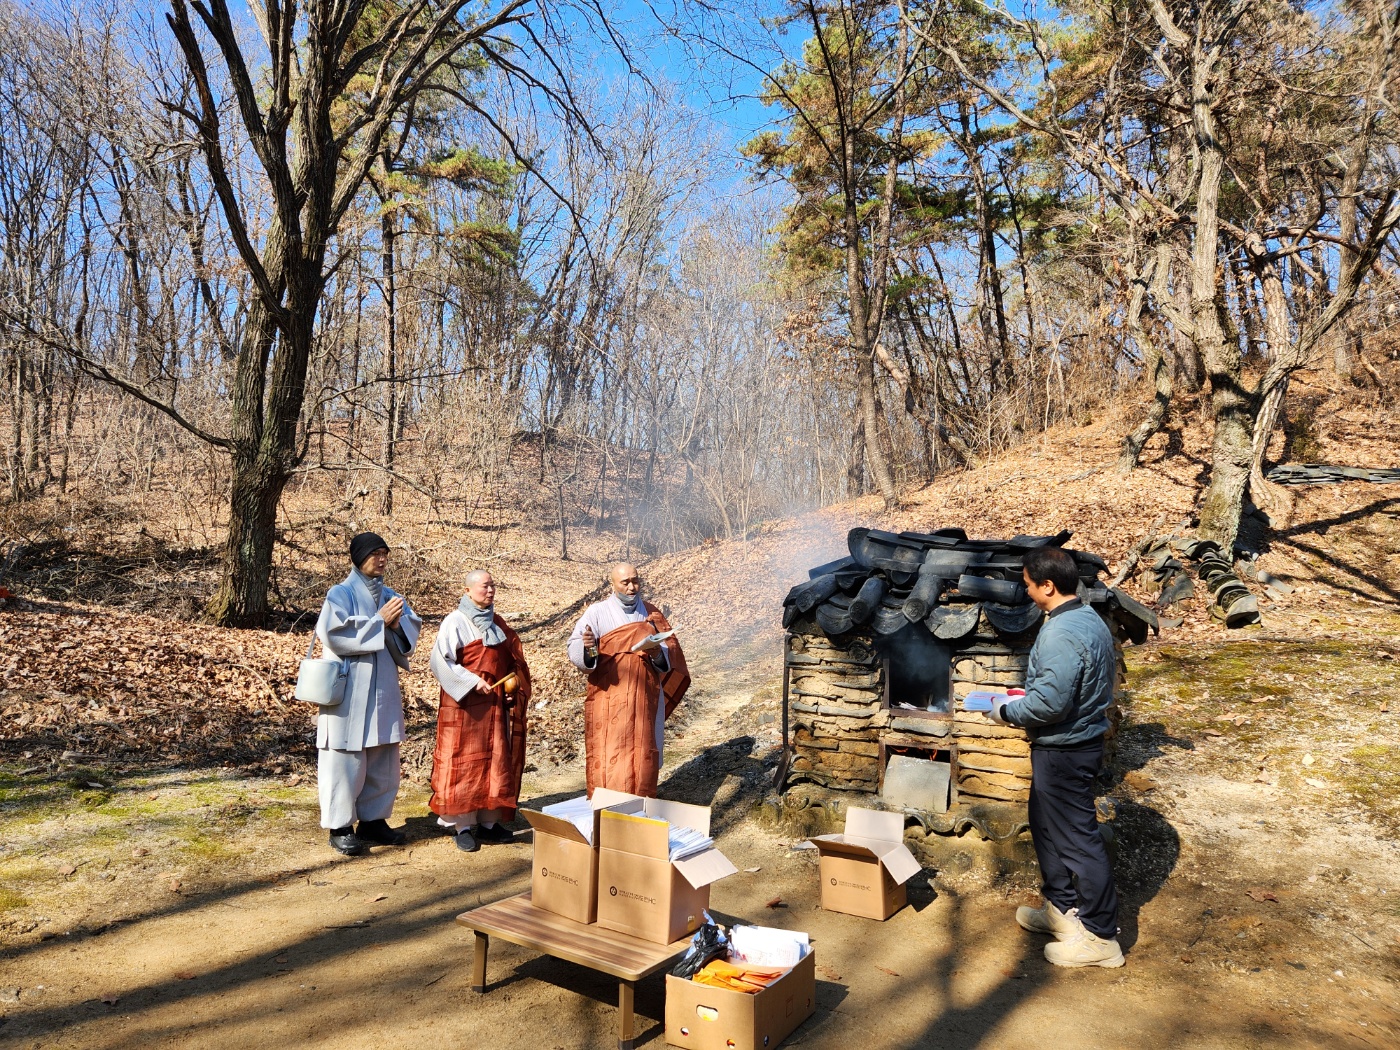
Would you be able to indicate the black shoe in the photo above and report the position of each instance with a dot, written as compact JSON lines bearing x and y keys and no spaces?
{"x":499,"y":833}
{"x":465,"y":842}
{"x":379,"y":832}
{"x":344,"y":840}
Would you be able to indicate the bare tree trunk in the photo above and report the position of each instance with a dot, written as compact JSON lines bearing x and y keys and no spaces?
{"x":991,"y":311}
{"x":1276,"y":332}
{"x":1153,"y":360}
{"x":861,"y":344}
{"x":14,"y":459}
{"x":1232,"y":448}
{"x":856,"y":464}
{"x":391,"y":363}
{"x":1270,"y":410}
{"x":260,"y":470}
{"x":1346,"y":346}
{"x":352,"y":403}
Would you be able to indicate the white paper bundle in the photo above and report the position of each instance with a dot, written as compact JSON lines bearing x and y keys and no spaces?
{"x":766,"y":946}
{"x":651,"y":639}
{"x":686,"y":842}
{"x":577,"y":811}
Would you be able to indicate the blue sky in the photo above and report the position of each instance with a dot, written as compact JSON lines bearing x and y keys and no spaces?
{"x":725,"y":94}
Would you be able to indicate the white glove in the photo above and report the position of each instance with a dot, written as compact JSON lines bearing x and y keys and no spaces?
{"x":995,"y":713}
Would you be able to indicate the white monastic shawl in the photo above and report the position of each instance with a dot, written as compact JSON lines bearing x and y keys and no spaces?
{"x":456,"y":631}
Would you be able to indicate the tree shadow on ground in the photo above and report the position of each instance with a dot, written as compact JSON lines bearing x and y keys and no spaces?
{"x":1292,"y":538}
{"x":727,"y":777}
{"x":963,"y":1022}
{"x":1139,"y":743}
{"x":1145,"y":852}
{"x":570,"y":979}
{"x":338,"y":939}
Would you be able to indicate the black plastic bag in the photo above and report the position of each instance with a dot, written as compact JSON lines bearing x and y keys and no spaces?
{"x":711,"y":941}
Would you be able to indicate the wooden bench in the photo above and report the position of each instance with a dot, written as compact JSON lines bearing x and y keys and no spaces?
{"x":628,"y":959}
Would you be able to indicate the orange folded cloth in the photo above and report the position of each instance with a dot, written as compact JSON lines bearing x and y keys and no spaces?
{"x":720,"y":974}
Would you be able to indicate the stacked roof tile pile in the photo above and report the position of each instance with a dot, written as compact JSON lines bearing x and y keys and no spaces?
{"x":942,"y":580}
{"x":1322,"y":474}
{"x":1230,"y":600}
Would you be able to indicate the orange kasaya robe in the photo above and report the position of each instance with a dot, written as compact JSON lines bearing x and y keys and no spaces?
{"x":619,"y":711}
{"x":480,"y":752}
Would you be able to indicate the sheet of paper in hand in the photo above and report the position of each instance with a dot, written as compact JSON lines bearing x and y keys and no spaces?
{"x":650,"y":640}
{"x":982,"y":701}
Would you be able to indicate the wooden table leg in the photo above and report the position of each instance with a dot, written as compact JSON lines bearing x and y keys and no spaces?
{"x":479,"y":962}
{"x":625,"y":1020}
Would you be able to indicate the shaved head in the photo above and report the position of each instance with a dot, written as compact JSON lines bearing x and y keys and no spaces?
{"x":481,"y":588}
{"x":625,"y":581}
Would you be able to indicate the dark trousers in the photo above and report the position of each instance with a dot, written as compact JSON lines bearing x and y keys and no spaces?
{"x":1074,"y":864}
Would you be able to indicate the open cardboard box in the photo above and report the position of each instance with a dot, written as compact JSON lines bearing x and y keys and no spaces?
{"x":702,"y":1017}
{"x":863,"y":871}
{"x":643,"y":892}
{"x":564,"y":876}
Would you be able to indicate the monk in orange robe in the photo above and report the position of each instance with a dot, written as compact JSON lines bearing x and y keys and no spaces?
{"x":484,"y":697}
{"x":633,"y":686}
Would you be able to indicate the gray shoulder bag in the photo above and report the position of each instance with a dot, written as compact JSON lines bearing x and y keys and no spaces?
{"x":321,"y":681}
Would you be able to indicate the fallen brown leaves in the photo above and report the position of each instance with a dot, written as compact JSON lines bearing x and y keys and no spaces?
{"x":101,"y":686}
{"x":1139,"y":781}
{"x":130,"y":686}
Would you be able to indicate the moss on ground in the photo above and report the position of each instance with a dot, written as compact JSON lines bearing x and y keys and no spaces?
{"x":57,"y":829}
{"x":1306,"y":714}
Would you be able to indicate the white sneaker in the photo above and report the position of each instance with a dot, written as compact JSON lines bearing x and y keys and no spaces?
{"x":1049,"y":919}
{"x":1084,"y":949}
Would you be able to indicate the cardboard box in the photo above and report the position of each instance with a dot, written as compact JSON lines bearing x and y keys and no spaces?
{"x":704,"y":1018}
{"x":641,"y":891}
{"x":564,"y":877}
{"x":863,"y":871}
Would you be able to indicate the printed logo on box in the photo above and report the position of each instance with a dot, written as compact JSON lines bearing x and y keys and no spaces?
{"x":614,"y":891}
{"x":849,"y":885}
{"x":545,"y":873}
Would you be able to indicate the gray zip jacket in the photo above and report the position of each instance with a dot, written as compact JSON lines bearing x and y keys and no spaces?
{"x":1069,"y":681}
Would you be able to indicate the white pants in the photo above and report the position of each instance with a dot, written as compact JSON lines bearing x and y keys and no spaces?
{"x":357,"y":785}
{"x":463,"y":821}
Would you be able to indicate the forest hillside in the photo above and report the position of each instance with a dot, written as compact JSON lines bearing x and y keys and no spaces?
{"x":129,"y":569}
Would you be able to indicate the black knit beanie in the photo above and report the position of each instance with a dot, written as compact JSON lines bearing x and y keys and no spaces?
{"x":365,"y":544}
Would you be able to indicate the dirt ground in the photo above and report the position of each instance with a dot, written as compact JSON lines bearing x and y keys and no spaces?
{"x":1257,"y":794}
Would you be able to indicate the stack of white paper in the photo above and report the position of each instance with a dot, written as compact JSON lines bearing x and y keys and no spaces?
{"x":577,"y":811}
{"x":765,"y":946}
{"x":686,"y":842}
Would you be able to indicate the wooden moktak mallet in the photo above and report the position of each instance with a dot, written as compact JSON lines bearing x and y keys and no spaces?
{"x":510,"y":683}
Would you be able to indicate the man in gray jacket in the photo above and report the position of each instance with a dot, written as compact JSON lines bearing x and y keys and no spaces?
{"x":1069,"y":686}
{"x":373,"y":630}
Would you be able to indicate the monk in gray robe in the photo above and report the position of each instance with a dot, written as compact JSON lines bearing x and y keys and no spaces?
{"x":634,"y":683}
{"x":372,"y":628}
